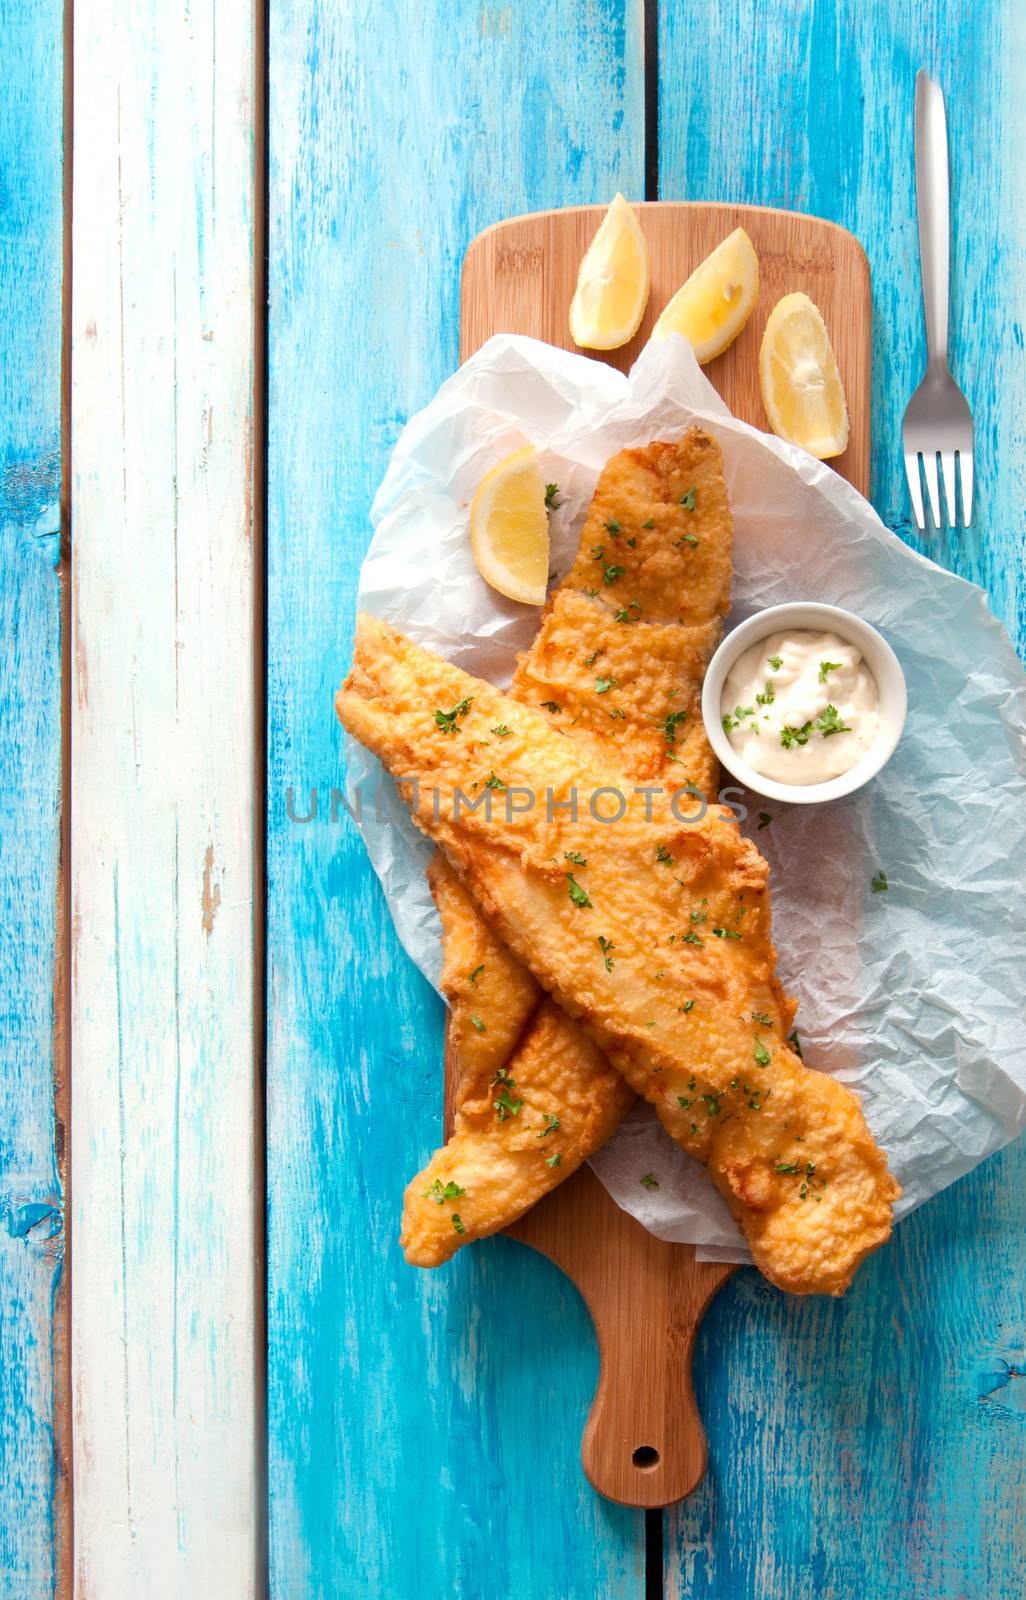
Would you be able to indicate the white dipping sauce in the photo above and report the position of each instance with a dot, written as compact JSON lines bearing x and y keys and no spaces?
{"x":800,"y":707}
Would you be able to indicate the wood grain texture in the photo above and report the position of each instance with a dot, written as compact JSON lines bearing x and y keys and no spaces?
{"x":164,"y":1295}
{"x":519,"y":277}
{"x":424,"y":1427}
{"x":877,"y":1445}
{"x":33,"y":1470}
{"x":647,"y":1297}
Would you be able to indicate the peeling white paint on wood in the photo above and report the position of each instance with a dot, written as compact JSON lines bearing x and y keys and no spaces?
{"x":165,"y":1288}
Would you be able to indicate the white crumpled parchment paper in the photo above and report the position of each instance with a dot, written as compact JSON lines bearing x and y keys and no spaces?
{"x":913,"y":996}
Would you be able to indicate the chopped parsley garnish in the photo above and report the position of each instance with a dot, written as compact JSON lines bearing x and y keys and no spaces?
{"x":829,"y":722}
{"x":617,"y":715}
{"x":760,"y":1016}
{"x":596,"y":552}
{"x":631,"y":543}
{"x":447,"y":720}
{"x":451,"y":1191}
{"x":828,"y":666}
{"x":457,"y":1222}
{"x":591,"y":660}
{"x":688,"y":500}
{"x":506,"y":1107}
{"x":670,"y":725}
{"x":492,"y":782}
{"x":776,"y":662}
{"x":625,"y":614}
{"x":740,"y":712}
{"x":614,"y":527}
{"x":764,"y":819}
{"x":478,"y":1024}
{"x":726,"y":933}
{"x":880,"y":883}
{"x":684,"y":1102}
{"x":606,"y":945}
{"x":501,"y":732}
{"x":551,"y":1124}
{"x":767,"y":697}
{"x":555,"y":1161}
{"x":760,"y":1053}
{"x":578,"y":895}
{"x":691,"y":937}
{"x":473,"y":976}
{"x":551,"y":491}
{"x":712,"y":1103}
{"x":612,"y":573}
{"x":793,"y":1039}
{"x":650,"y":1180}
{"x":688,"y":539}
{"x":686,"y":1007}
{"x":700,"y":915}
{"x":786,"y":1166}
{"x":551,"y":705}
{"x":603,"y":685}
{"x":662,"y":854}
{"x":789,"y":736}
{"x":649,"y":523}
{"x":576,"y":857}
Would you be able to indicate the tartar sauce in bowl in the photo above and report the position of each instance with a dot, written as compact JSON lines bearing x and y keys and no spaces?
{"x":804,"y":702}
{"x":800,"y":706}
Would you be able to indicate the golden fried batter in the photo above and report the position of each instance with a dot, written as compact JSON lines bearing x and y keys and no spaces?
{"x":663,"y":511}
{"x":656,"y":937}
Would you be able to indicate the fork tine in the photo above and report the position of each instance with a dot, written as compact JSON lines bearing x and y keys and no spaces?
{"x":932,"y":485}
{"x":965,"y":462}
{"x":948,"y":470}
{"x":915,"y":488}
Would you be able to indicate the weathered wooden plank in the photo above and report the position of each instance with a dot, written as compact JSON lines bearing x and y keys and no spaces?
{"x":33,"y":1469}
{"x":876,"y":1445}
{"x":165,"y":1293}
{"x":424,"y":1428}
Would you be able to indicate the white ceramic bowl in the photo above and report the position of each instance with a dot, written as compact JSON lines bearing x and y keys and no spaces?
{"x":879,"y":658}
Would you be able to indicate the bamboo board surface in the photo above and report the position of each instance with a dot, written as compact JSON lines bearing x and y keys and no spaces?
{"x":644,"y":1444}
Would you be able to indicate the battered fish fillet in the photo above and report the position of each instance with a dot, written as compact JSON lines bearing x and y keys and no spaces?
{"x":656,"y":935}
{"x":632,"y":697}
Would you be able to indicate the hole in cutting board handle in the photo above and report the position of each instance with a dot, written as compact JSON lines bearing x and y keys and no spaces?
{"x":646,"y":1456}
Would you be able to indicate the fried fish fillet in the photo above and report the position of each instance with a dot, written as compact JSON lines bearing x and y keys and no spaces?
{"x":529,"y":1109}
{"x":653,"y":930}
{"x":631,"y":695}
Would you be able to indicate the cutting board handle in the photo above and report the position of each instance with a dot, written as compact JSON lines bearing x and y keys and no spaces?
{"x":644,"y":1443}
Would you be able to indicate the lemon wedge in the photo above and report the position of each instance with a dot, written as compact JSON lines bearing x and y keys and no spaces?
{"x":612,"y":284}
{"x":717,"y":300}
{"x":509,"y":528}
{"x":801,"y":386}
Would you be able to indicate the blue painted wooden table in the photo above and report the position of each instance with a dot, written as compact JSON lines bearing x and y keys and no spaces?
{"x":422,"y":1430}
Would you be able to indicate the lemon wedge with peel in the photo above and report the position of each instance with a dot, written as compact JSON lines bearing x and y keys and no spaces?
{"x":713,"y":306}
{"x":509,"y":528}
{"x":801,"y":386}
{"x":612,"y":284}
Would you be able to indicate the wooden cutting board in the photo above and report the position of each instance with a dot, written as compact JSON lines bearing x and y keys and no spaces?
{"x":644,"y":1444}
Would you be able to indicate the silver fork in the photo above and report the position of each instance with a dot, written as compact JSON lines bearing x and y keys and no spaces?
{"x":938,"y":421}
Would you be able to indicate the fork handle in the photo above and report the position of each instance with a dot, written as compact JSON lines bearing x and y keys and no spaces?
{"x":931,"y":141}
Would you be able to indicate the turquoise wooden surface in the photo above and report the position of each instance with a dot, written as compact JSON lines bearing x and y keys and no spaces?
{"x":424,"y":1429}
{"x":877,"y":1445}
{"x":31,"y":1195}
